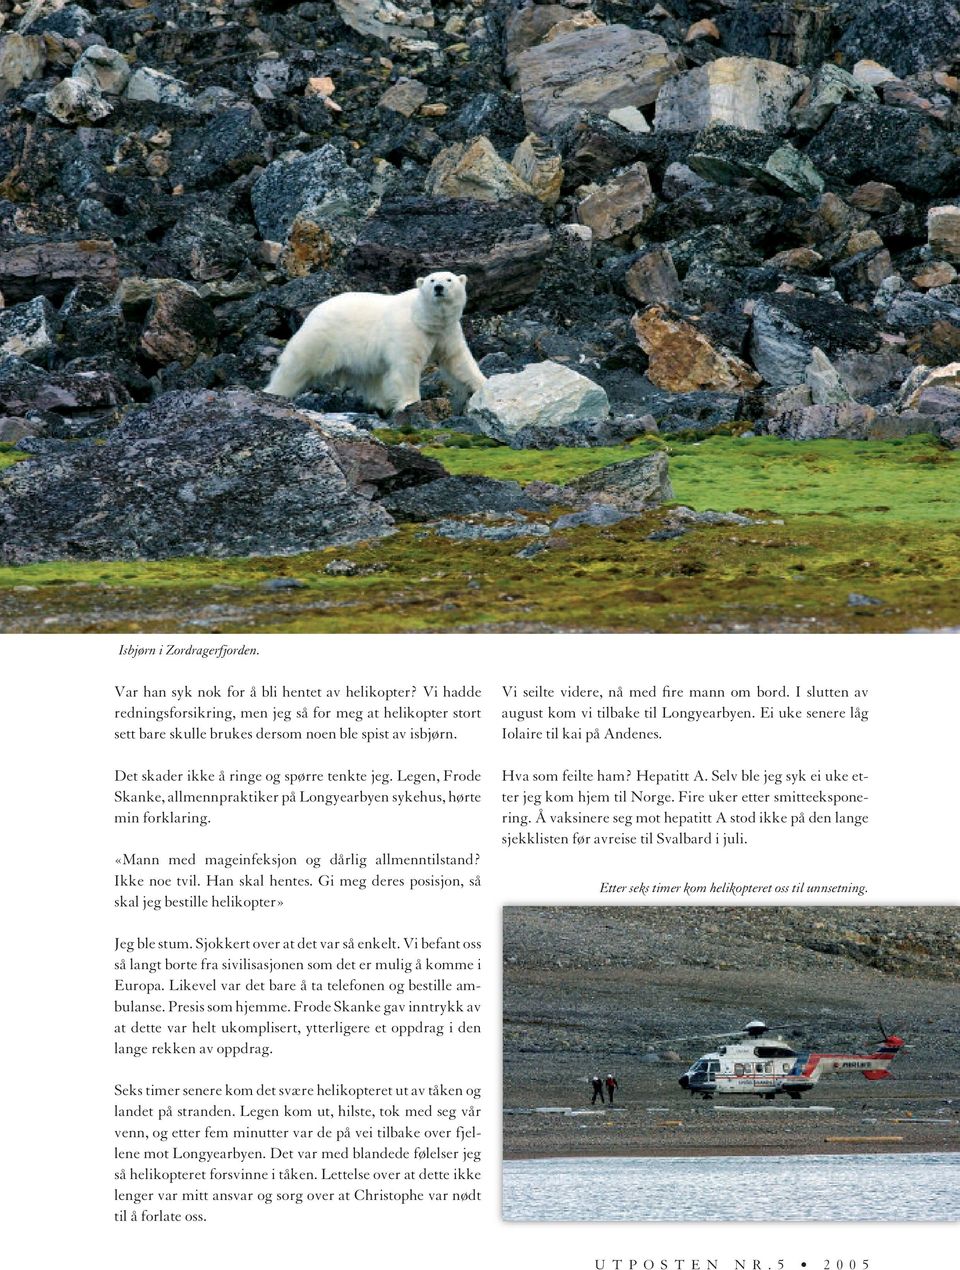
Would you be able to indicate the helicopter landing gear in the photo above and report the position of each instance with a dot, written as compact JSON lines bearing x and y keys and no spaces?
{"x":795,"y":1097}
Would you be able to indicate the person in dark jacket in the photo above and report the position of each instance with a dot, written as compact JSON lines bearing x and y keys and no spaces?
{"x":597,"y":1084}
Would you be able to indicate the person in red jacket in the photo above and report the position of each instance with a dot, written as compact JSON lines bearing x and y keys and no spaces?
{"x":611,"y":1084}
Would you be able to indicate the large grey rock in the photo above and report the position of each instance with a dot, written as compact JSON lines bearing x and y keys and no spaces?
{"x":742,"y":92}
{"x":384,"y":19}
{"x":829,"y":87}
{"x":454,"y":496}
{"x":205,"y":473}
{"x":866,"y":375}
{"x":29,"y":330}
{"x":320,"y":186}
{"x":157,"y":87}
{"x":542,"y":395}
{"x":633,"y":486}
{"x":850,"y":422}
{"x":786,"y":329}
{"x":823,"y":380}
{"x":780,"y":350}
{"x":103,"y":68}
{"x":596,"y":69}
{"x":76,"y":101}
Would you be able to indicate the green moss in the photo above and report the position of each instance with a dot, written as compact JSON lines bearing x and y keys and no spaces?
{"x":9,"y":455}
{"x":876,"y":518}
{"x":911,"y":480}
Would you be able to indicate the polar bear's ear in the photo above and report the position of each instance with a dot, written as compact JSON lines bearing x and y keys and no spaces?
{"x":419,"y":283}
{"x":462,"y":279}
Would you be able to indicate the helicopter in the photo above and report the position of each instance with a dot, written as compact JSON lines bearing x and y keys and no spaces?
{"x":766,"y":1066}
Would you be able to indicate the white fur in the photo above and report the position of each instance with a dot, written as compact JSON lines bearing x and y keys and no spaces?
{"x":378,"y":345}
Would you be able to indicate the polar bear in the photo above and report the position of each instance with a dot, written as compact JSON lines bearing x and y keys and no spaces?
{"x":378,"y":345}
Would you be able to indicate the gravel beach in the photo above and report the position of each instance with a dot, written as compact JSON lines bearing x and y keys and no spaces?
{"x":597,"y":990}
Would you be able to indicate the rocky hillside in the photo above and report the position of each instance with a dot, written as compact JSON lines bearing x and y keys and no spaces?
{"x":715,"y":210}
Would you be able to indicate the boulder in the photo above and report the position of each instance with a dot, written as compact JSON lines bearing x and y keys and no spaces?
{"x":29,"y":330}
{"x":595,"y":69}
{"x":885,"y":143}
{"x":742,"y":92}
{"x":180,"y":327}
{"x":76,"y":101}
{"x":454,"y":496}
{"x":473,"y":169}
{"x":102,"y":68}
{"x":652,"y":279}
{"x":618,"y":207}
{"x":405,"y":97}
{"x":319,"y":186}
{"x":527,"y":24}
{"x":384,"y":19}
{"x":871,"y":74}
{"x":823,"y":380}
{"x":877,"y":198}
{"x":542,"y":169}
{"x":850,"y":422}
{"x":634,"y":486}
{"x":83,"y":395}
{"x":909,"y":36}
{"x":795,"y":32}
{"x":158,"y":88}
{"x":22,"y":57}
{"x":542,"y":395}
{"x":938,"y":273}
{"x":933,"y":392}
{"x":682,"y":359}
{"x":829,"y":86}
{"x":629,"y":117}
{"x":231,"y":144}
{"x":501,"y":247}
{"x":53,"y":268}
{"x":206,"y":247}
{"x":584,"y":433}
{"x":204,"y":473}
{"x":786,"y":329}
{"x":727,"y":156}
{"x":872,"y":375}
{"x":943,"y":231}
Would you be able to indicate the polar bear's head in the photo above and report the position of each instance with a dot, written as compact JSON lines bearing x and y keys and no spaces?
{"x":443,"y":291}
